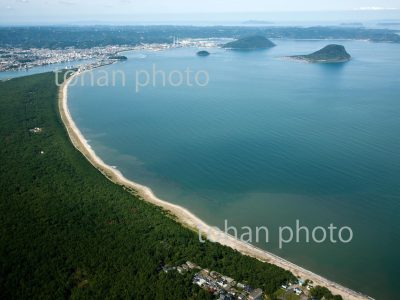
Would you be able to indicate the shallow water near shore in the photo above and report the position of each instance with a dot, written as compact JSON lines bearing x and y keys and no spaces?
{"x":267,"y":142}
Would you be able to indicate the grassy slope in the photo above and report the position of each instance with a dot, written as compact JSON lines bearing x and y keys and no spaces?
{"x":66,"y":231}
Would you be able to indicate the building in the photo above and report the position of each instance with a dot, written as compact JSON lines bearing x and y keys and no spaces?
{"x":191,"y":265}
{"x":166,"y":269}
{"x":256,"y":294}
{"x":226,"y":297}
{"x":214,"y":274}
{"x":240,"y":285}
{"x":36,"y":130}
{"x":200,"y":281}
{"x":241,"y":297}
{"x":297,"y":291}
{"x":227,"y":279}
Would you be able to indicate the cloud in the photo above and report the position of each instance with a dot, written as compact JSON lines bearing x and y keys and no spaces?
{"x":67,"y":2}
{"x":376,"y":8}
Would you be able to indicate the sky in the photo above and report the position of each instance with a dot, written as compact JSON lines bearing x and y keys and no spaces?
{"x":42,"y":11}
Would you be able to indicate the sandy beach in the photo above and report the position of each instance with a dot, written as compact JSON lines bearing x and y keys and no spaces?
{"x":184,"y":216}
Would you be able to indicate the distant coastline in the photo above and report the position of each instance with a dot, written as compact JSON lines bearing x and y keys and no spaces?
{"x":184,"y":216}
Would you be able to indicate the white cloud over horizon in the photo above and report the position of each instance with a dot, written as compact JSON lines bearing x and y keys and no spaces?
{"x":377,"y":8}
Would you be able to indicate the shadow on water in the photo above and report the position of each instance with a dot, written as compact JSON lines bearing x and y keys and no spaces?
{"x":249,"y":51}
{"x":333,"y":68}
{"x":332,"y":74}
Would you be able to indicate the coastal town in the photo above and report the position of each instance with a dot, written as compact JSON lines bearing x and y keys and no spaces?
{"x":19,"y":59}
{"x":12,"y":59}
{"x":223,"y":287}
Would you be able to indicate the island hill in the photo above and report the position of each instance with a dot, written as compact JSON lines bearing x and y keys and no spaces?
{"x":117,"y":57}
{"x":203,"y":53}
{"x":250,"y":43}
{"x":329,"y":54}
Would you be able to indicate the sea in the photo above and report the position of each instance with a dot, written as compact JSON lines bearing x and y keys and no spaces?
{"x":262,"y":140}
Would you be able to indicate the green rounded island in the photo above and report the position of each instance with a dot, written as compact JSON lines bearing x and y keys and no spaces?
{"x":203,"y":53}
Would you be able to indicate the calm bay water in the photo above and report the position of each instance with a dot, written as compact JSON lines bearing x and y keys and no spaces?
{"x":267,"y":142}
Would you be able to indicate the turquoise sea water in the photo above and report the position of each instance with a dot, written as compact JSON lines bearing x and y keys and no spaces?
{"x":269,"y":141}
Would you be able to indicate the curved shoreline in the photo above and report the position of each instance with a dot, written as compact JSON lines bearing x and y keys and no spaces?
{"x":184,"y":216}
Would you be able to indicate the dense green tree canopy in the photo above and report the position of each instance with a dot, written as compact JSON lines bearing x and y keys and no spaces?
{"x":68,"y":232}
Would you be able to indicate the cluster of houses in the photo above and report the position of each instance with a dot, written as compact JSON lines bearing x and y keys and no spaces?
{"x":221,"y":286}
{"x":226,"y":288}
{"x":301,"y":288}
{"x":19,"y":58}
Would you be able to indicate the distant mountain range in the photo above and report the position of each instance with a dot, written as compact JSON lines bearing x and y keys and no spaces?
{"x":257,"y":22}
{"x":389,"y":24}
{"x":58,"y":37}
{"x":357,"y":24}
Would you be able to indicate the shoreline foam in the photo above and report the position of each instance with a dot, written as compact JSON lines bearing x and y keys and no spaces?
{"x":184,"y":216}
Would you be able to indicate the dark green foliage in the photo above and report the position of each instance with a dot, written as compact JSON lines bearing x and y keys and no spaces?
{"x":306,"y":282}
{"x":250,"y":43}
{"x":68,"y":232}
{"x":330,"y":53}
{"x":118,"y":57}
{"x":203,"y":53}
{"x":320,"y":292}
